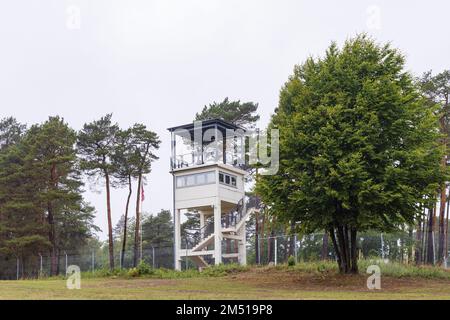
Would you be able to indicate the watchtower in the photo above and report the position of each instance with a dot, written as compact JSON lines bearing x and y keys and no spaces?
{"x":208,"y":184}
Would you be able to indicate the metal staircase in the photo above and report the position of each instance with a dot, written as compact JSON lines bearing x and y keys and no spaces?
{"x":198,"y":241}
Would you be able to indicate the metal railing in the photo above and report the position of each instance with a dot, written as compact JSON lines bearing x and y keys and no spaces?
{"x":233,"y":217}
{"x":196,"y":235}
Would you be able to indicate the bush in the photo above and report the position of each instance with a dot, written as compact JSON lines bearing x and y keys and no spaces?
{"x":145,"y":269}
{"x":291,"y":261}
{"x":133,"y":272}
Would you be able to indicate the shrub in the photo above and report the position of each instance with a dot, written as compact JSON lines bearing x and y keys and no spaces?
{"x":291,"y":261}
{"x":145,"y":269}
{"x":133,"y":272}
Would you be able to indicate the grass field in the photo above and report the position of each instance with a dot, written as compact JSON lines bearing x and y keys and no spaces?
{"x":300,"y":282}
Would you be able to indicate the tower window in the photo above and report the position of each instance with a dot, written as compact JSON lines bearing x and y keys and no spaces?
{"x":227,"y":179}
{"x":196,"y":179}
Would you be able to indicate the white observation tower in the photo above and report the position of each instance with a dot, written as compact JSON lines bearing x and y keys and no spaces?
{"x":208,"y":185}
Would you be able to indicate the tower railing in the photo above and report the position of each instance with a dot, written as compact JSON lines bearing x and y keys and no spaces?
{"x":196,"y":235}
{"x":234,"y":216}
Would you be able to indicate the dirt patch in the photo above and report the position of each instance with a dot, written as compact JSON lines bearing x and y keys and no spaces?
{"x":295,"y":280}
{"x":132,"y":283}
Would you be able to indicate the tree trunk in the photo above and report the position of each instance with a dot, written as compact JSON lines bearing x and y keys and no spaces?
{"x":441,"y":248}
{"x":345,"y":247}
{"x":446,"y":231}
{"x":418,"y":247}
{"x":52,"y":239}
{"x":292,"y":239}
{"x":51,"y":222}
{"x":125,"y":223}
{"x":430,"y":244}
{"x":410,"y":244}
{"x":425,"y":235}
{"x":257,"y":238}
{"x":336,"y":249}
{"x":110,"y":229}
{"x":138,"y":223}
{"x":261,"y":244}
{"x":353,"y":251}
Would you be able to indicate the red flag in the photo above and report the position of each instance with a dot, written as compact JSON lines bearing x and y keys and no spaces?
{"x":142,"y":194}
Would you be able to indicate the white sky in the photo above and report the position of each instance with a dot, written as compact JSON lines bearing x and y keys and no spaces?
{"x":159,"y":62}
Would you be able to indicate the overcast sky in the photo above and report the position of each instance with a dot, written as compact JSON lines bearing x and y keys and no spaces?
{"x":159,"y":62}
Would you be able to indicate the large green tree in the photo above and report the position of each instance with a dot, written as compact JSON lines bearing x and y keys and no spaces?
{"x":358,"y":146}
{"x":51,"y":155}
{"x":41,"y":205}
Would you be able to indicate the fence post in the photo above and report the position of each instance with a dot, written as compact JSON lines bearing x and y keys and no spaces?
{"x":186,"y":259}
{"x":17,"y":269}
{"x":382,"y":247}
{"x":295,"y":248}
{"x":65,"y":253}
{"x":276,"y":251}
{"x":153,"y":257}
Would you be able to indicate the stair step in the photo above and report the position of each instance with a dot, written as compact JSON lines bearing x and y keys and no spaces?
{"x":204,"y":243}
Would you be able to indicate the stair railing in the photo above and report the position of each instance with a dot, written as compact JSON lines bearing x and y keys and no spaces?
{"x":232,"y":218}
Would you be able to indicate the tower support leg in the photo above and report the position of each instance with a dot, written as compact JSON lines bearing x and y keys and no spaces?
{"x":217,"y":233}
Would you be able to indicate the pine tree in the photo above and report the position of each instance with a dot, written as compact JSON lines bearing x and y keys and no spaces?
{"x":96,"y":143}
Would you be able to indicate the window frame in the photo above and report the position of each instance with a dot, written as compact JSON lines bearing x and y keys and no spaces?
{"x":230,"y":179}
{"x":185,"y":178}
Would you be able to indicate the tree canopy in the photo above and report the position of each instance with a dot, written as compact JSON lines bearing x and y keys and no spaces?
{"x":358,"y":146}
{"x":236,"y":112}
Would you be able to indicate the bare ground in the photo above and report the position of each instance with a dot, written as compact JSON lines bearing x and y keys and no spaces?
{"x":253,"y":284}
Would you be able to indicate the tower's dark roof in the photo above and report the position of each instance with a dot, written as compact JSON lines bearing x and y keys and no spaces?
{"x":210,"y":123}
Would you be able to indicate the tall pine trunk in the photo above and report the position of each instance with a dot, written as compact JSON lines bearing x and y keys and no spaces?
{"x":125,"y":223}
{"x":257,"y":237}
{"x":138,"y":223}
{"x":52,"y":240}
{"x":446,"y":231}
{"x":430,"y":238}
{"x":51,"y":222}
{"x":443,"y":200}
{"x":418,"y":246}
{"x":441,"y":248}
{"x":110,"y":231}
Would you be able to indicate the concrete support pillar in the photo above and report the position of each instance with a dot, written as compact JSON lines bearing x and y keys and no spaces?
{"x":217,"y":233}
{"x":177,"y":239}
{"x":242,"y":248}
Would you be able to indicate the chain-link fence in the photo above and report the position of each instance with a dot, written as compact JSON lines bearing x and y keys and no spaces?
{"x":402,"y":247}
{"x":43,"y":265}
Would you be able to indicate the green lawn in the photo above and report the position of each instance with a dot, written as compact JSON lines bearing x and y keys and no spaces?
{"x":254,"y":283}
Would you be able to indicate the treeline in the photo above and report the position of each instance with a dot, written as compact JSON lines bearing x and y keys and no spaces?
{"x":42,"y":210}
